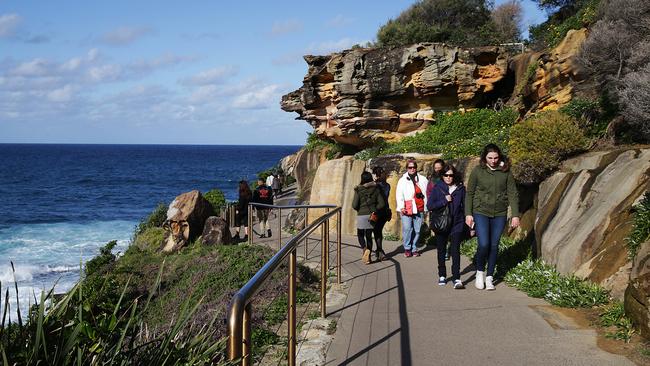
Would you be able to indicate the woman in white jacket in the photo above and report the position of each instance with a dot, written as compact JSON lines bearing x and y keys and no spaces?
{"x":411,"y":200}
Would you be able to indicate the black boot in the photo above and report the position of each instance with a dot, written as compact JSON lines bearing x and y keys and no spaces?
{"x":269,"y":232}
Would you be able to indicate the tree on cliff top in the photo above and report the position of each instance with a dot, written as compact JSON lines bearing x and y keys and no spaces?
{"x":458,"y":22}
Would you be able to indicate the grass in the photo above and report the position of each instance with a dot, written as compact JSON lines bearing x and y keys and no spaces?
{"x":613,"y":315}
{"x":640,"y":232}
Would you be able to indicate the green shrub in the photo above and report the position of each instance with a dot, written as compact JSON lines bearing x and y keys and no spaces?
{"x":540,"y":143}
{"x":104,"y":258}
{"x":511,"y":253}
{"x":550,"y":33}
{"x":613,"y":315}
{"x":591,"y":116}
{"x":640,"y":226}
{"x":150,"y":240}
{"x":155,"y":219}
{"x":458,"y":134}
{"x":538,"y":279}
{"x":216,"y":198}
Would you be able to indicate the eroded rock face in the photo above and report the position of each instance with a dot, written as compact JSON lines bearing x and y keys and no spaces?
{"x":361,"y":95}
{"x":637,"y":294}
{"x":583,"y":214}
{"x":185,"y":218}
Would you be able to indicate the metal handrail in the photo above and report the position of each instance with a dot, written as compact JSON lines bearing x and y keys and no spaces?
{"x":239,"y":321}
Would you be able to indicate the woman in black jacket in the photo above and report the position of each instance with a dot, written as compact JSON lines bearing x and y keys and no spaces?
{"x":367,"y":199}
{"x":241,"y":213}
{"x":384,"y":215}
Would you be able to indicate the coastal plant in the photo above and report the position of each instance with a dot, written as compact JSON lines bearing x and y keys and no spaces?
{"x":105,"y":257}
{"x":539,"y":279}
{"x":217,"y":200}
{"x":640,"y":232}
{"x":540,"y":143}
{"x":613,"y":315}
{"x":573,"y":14}
{"x":151,"y":239}
{"x":458,"y":134}
{"x":155,"y":219}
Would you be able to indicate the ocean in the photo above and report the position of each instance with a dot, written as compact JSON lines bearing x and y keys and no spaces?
{"x":61,"y":203}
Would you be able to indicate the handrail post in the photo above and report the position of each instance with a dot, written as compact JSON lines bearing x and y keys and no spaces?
{"x":306,"y":237}
{"x":291,"y":351}
{"x":323,"y":270}
{"x":250,"y":224}
{"x":246,"y":339}
{"x":327,"y":242}
{"x":235,"y":336}
{"x":279,"y":228}
{"x":338,"y":247}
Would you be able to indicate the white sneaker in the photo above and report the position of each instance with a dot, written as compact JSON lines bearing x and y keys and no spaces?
{"x":458,"y":284}
{"x":480,"y":284}
{"x":488,"y":283}
{"x":442,"y":281}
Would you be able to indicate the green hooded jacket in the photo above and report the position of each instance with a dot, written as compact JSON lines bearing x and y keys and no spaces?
{"x":489,"y":192}
{"x":367,"y":199}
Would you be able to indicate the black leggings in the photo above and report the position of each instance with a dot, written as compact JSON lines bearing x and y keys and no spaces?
{"x":378,"y":231}
{"x":454,"y":248}
{"x":365,"y":238}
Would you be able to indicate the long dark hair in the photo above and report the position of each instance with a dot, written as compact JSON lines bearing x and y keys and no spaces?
{"x":244,"y":190}
{"x":503,"y":160}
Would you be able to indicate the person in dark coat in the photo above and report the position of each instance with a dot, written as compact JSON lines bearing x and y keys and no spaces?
{"x":385,"y":214}
{"x":450,"y":191}
{"x":367,"y":199}
{"x":241,"y":213}
{"x":263,"y":194}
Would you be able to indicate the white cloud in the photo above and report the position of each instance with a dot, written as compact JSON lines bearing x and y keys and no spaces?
{"x":324,"y":48}
{"x":287,"y":26}
{"x":124,"y":35}
{"x":61,"y":95}
{"x":215,"y":75}
{"x":35,"y":67}
{"x":104,"y":73}
{"x":339,"y":21}
{"x":261,"y":98}
{"x":8,"y":24}
{"x":159,"y":62}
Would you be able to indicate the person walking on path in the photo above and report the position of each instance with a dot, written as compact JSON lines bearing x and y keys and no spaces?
{"x":275,"y":185}
{"x":411,"y":199}
{"x":450,"y":191}
{"x":263,"y":194}
{"x":384,"y":215}
{"x":367,"y":200}
{"x":438,"y":166}
{"x":241,"y":212}
{"x":491,"y":189}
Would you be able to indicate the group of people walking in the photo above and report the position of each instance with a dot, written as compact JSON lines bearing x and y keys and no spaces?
{"x":263,"y":193}
{"x":480,"y":206}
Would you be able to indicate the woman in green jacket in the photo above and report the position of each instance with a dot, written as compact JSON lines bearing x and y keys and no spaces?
{"x":367,"y":199}
{"x":490,"y":190}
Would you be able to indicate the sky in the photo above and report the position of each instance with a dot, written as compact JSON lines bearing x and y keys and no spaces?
{"x":163,"y":72}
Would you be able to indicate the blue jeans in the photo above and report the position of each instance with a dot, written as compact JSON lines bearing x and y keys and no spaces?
{"x":488,"y":231}
{"x":411,"y":225}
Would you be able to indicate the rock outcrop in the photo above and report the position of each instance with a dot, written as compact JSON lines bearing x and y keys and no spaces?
{"x":583,"y":214}
{"x":361,"y":95}
{"x":215,"y":232}
{"x":637,"y":294}
{"x":185,"y":218}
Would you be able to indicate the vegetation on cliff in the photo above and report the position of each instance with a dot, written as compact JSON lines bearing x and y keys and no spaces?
{"x":458,"y":22}
{"x":640,"y":226}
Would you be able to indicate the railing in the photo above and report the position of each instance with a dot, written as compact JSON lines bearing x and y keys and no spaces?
{"x":239,"y":321}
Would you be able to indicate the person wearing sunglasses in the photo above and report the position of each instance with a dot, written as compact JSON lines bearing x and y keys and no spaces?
{"x":491,"y":188}
{"x":411,"y":199}
{"x":450,"y":191}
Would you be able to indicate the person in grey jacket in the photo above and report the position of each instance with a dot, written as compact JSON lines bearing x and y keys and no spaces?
{"x":367,"y":199}
{"x":491,"y":189}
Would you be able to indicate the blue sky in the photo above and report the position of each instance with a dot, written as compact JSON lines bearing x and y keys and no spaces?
{"x":162,"y":72}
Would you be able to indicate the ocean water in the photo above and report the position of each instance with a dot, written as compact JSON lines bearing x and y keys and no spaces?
{"x":61,"y":203}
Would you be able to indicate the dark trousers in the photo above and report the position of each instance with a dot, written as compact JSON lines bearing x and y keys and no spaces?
{"x":454,"y":249}
{"x":488,"y":231}
{"x":378,"y":231}
{"x":365,"y":238}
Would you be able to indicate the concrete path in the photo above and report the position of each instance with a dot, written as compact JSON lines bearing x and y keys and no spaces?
{"x":397,"y":314}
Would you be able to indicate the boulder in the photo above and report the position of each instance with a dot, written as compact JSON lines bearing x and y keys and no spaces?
{"x":637,"y":294}
{"x":185,"y":218}
{"x":216,"y":232}
{"x":583,"y":214}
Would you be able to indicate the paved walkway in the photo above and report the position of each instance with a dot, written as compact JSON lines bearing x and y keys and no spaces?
{"x":396,"y":314}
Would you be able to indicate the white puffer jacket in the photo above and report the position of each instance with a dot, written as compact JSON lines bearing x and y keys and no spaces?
{"x":406,"y":191}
